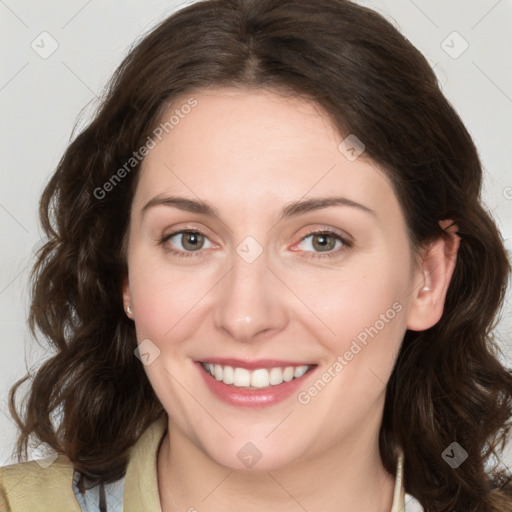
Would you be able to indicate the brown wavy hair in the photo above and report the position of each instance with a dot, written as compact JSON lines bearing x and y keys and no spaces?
{"x":447,"y":385}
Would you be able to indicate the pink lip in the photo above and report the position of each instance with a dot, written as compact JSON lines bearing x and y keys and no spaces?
{"x":252,"y":398}
{"x":254,"y":364}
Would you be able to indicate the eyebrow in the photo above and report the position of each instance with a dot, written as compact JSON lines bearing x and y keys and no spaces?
{"x":292,"y":209}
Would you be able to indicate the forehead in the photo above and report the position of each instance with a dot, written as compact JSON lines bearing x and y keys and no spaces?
{"x":259,"y":148}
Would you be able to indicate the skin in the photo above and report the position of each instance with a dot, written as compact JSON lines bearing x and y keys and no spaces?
{"x":249,"y":153}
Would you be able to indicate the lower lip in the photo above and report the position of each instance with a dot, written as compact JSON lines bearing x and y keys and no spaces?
{"x":252,"y":398}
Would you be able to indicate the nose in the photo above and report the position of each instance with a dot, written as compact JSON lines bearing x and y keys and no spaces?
{"x":251,"y":303}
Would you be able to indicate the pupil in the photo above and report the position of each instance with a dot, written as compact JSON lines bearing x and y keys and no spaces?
{"x":192,"y":240}
{"x":322,"y":241}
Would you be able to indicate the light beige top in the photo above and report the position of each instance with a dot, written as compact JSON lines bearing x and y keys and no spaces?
{"x":28,"y":486}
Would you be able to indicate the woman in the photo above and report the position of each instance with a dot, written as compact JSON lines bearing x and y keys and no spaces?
{"x":270,"y":280}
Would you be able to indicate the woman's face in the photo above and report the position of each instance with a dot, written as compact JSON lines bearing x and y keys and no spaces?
{"x":256,"y":292}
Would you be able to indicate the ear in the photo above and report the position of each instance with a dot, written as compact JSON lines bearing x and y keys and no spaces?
{"x":127,"y":298}
{"x":432,"y":279}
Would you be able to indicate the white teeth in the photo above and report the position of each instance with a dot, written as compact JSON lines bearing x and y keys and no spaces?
{"x":300,"y":371}
{"x":228,"y":375}
{"x":276,"y":376}
{"x":242,"y":377}
{"x":259,"y":378}
{"x":288,"y":373}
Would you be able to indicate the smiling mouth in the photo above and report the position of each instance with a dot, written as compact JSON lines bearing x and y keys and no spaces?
{"x":259,"y":378}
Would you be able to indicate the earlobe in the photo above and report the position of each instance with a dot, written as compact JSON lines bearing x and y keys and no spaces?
{"x":127,"y":299}
{"x":432,"y":279}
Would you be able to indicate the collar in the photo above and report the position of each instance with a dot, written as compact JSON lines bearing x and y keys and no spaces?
{"x":399,"y":493}
{"x":141,"y":483}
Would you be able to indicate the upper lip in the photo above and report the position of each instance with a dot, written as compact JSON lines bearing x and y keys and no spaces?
{"x":254,"y":363}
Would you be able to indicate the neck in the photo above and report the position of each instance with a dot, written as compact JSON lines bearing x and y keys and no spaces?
{"x":350,"y":477}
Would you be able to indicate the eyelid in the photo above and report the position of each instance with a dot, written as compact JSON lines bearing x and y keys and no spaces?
{"x":181,"y":231}
{"x":346,"y":240}
{"x":328,"y":229}
{"x":185,"y":229}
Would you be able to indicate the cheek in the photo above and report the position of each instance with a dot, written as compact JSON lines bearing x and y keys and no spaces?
{"x":164,"y":297}
{"x":362,"y":307}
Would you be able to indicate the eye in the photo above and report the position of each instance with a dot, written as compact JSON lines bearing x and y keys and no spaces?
{"x":325,"y":241}
{"x":328,"y":242}
{"x":191,"y":241}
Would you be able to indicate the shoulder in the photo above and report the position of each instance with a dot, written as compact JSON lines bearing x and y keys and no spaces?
{"x":38,"y":485}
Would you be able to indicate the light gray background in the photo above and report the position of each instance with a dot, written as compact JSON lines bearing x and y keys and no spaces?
{"x":40,"y":99}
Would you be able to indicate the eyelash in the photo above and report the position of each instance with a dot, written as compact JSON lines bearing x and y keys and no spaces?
{"x":347,"y":244}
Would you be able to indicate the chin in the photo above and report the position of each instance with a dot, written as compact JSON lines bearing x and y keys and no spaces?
{"x":254,"y":456}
